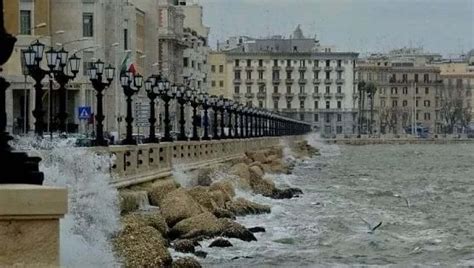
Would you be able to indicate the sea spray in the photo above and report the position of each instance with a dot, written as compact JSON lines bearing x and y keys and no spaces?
{"x":93,"y":213}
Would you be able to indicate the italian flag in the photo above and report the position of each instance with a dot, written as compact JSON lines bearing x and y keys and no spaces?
{"x":127,"y":64}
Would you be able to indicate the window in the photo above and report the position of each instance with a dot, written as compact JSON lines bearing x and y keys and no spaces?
{"x":221,"y":68}
{"x":405,"y":103}
{"x":316,"y":105}
{"x":302,"y":63}
{"x":328,"y":118}
{"x":316,"y":89}
{"x":316,"y":63}
{"x":302,"y":104}
{"x":249,"y":63}
{"x":339,"y":104}
{"x":416,"y":103}
{"x":328,"y":105}
{"x":417,"y":116}
{"x":260,"y":63}
{"x":339,"y":117}
{"x":185,"y":62}
{"x":213,"y":83}
{"x":288,"y":90}
{"x":404,"y":77}
{"x":288,"y":63}
{"x":237,"y":90}
{"x":427,"y":116}
{"x":249,"y":75}
{"x":237,"y":63}
{"x":339,"y":89}
{"x":339,"y":129}
{"x":275,"y":89}
{"x":302,"y":117}
{"x":260,"y":104}
{"x":328,"y":63}
{"x":394,"y":103}
{"x":328,"y":89}
{"x":25,"y":22}
{"x":260,"y":74}
{"x":87,"y":62}
{"x":275,"y":105}
{"x":237,"y":75}
{"x":288,"y":75}
{"x":125,"y":39}
{"x":302,"y":89}
{"x":275,"y":63}
{"x":382,"y":103}
{"x":88,"y":24}
{"x":416,"y":90}
{"x":276,"y":75}
{"x":316,"y":75}
{"x":339,"y":63}
{"x":316,"y":117}
{"x":221,"y":83}
{"x":249,"y":89}
{"x":328,"y":75}
{"x":427,"y":103}
{"x":288,"y":104}
{"x":394,"y":90}
{"x":301,"y":74}
{"x":416,"y":78}
{"x":213,"y":68}
{"x":405,"y":91}
{"x":426,"y":78}
{"x":427,"y":90}
{"x":249,"y":104}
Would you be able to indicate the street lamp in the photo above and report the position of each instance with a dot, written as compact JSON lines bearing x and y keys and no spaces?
{"x":96,"y":75}
{"x":196,"y":101}
{"x":61,"y":76}
{"x":17,"y":167}
{"x":215,"y":109}
{"x":167,"y":93}
{"x":152,"y":90}
{"x":236,"y":109}
{"x":222,"y":108}
{"x":205,"y":106}
{"x":131,"y":85}
{"x":182,"y":97}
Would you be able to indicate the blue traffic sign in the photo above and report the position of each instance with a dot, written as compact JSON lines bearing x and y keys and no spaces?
{"x":85,"y":112}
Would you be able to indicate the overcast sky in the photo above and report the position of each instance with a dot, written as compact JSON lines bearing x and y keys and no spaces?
{"x":444,"y":26}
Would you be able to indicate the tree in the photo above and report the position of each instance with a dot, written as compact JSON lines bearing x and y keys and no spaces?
{"x":454,"y":114}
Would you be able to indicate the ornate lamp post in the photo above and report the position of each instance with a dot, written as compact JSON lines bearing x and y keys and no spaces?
{"x":166,"y":93}
{"x":17,"y":167}
{"x":182,"y":97}
{"x":229,"y":104}
{"x":33,"y":57}
{"x":131,"y":85}
{"x":215,"y":109}
{"x":63,"y":78}
{"x":196,"y":101}
{"x":152,"y":90}
{"x":205,"y":106}
{"x":222,"y":109}
{"x":246,"y":129}
{"x":236,"y":108}
{"x":96,"y":74}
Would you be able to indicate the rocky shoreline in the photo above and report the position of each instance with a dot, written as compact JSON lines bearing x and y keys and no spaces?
{"x":180,"y":218}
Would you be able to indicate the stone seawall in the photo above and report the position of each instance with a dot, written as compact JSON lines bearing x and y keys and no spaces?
{"x":396,"y":141}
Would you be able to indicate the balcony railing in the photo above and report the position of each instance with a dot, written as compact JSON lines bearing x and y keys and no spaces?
{"x":302,"y":68}
{"x":302,"y":95}
{"x":276,"y":95}
{"x":289,"y":68}
{"x":276,"y":80}
{"x":302,"y":81}
{"x":339,"y":81}
{"x":237,"y":81}
{"x":317,"y":95}
{"x":340,"y":95}
{"x":316,"y":81}
{"x":328,"y":68}
{"x":276,"y":68}
{"x":249,"y":68}
{"x":249,"y":95}
{"x":328,"y":81}
{"x":290,"y":95}
{"x":340,"y":68}
{"x":289,"y":110}
{"x":261,"y":68}
{"x":317,"y":68}
{"x":261,"y":95}
{"x":289,"y":81}
{"x":261,"y":81}
{"x":237,"y":95}
{"x":237,"y":68}
{"x":249,"y":81}
{"x":327,"y":95}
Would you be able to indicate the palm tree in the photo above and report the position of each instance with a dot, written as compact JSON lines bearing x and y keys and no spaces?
{"x":361,"y":88}
{"x":370,"y":88}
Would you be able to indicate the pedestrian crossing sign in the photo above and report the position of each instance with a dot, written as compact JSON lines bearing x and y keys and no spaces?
{"x":84,"y":112}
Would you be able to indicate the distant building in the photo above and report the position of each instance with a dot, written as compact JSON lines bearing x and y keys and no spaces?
{"x":296,"y":77}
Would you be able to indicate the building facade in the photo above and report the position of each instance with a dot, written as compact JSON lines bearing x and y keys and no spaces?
{"x":217,"y":75}
{"x":408,"y":94}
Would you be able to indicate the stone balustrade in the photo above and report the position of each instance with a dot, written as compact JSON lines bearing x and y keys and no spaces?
{"x":139,"y":164}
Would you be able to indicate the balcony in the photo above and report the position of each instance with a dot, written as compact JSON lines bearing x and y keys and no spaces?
{"x":276,"y":68}
{"x":261,"y":81}
{"x":340,"y":68}
{"x":302,"y":95}
{"x":316,"y":69}
{"x":317,"y":95}
{"x":237,"y":96}
{"x":249,"y":95}
{"x":328,"y":68}
{"x":289,"y":81}
{"x":261,"y":95}
{"x":327,"y":95}
{"x":328,"y":81}
{"x":316,"y":81}
{"x":302,"y":68}
{"x":276,"y":95}
{"x":302,"y":81}
{"x":289,"y":68}
{"x":248,"y":68}
{"x":289,"y":110}
{"x":249,"y":81}
{"x":339,"y":81}
{"x":276,"y":80}
{"x":290,"y":95}
{"x":340,"y":95}
{"x":237,"y":81}
{"x":261,"y":68}
{"x":237,"y":68}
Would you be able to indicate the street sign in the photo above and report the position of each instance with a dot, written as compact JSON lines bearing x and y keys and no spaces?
{"x":84,"y":112}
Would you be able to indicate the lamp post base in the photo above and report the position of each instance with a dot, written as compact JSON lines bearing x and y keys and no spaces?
{"x":19,"y":168}
{"x":152,"y":140}
{"x":129,"y":142}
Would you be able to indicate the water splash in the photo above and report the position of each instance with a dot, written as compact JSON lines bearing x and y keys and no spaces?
{"x":327,"y":150}
{"x":93,"y":212}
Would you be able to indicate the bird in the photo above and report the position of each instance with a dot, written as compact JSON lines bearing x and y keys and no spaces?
{"x":371,"y":229}
{"x":406,"y":199}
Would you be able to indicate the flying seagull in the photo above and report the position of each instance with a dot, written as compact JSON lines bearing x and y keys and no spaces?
{"x":406,"y":199}
{"x":371,"y":229}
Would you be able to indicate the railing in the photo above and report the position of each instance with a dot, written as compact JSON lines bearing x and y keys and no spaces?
{"x":328,"y":81}
{"x":276,"y":81}
{"x":340,"y":95}
{"x":317,"y":95}
{"x":340,"y":68}
{"x":316,"y":81}
{"x":289,"y":81}
{"x":339,"y":81}
{"x":249,"y":95}
{"x":302,"y":81}
{"x":249,"y":81}
{"x":237,"y":81}
{"x":317,"y":68}
{"x":261,"y":95}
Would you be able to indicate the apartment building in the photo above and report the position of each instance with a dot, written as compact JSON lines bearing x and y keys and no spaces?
{"x":295,"y":77}
{"x":408,"y":92}
{"x":217,"y":75}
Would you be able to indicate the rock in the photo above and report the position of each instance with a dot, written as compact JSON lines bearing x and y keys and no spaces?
{"x":159,"y":189}
{"x":272,"y":158}
{"x":200,"y":254}
{"x":278,"y":166}
{"x":287,"y":193}
{"x":256,"y":171}
{"x":205,"y":224}
{"x":226,"y":187}
{"x":142,"y":219}
{"x":241,"y":170}
{"x":223,"y":213}
{"x":264,"y":187}
{"x":257,"y":230}
{"x":202,"y":195}
{"x":184,"y":245}
{"x":142,"y":247}
{"x":236,"y":230}
{"x":242,"y":207}
{"x":258,"y":156}
{"x":186,"y":262}
{"x":204,"y":177}
{"x":179,"y":205}
{"x":221,"y":243}
{"x":129,"y":201}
